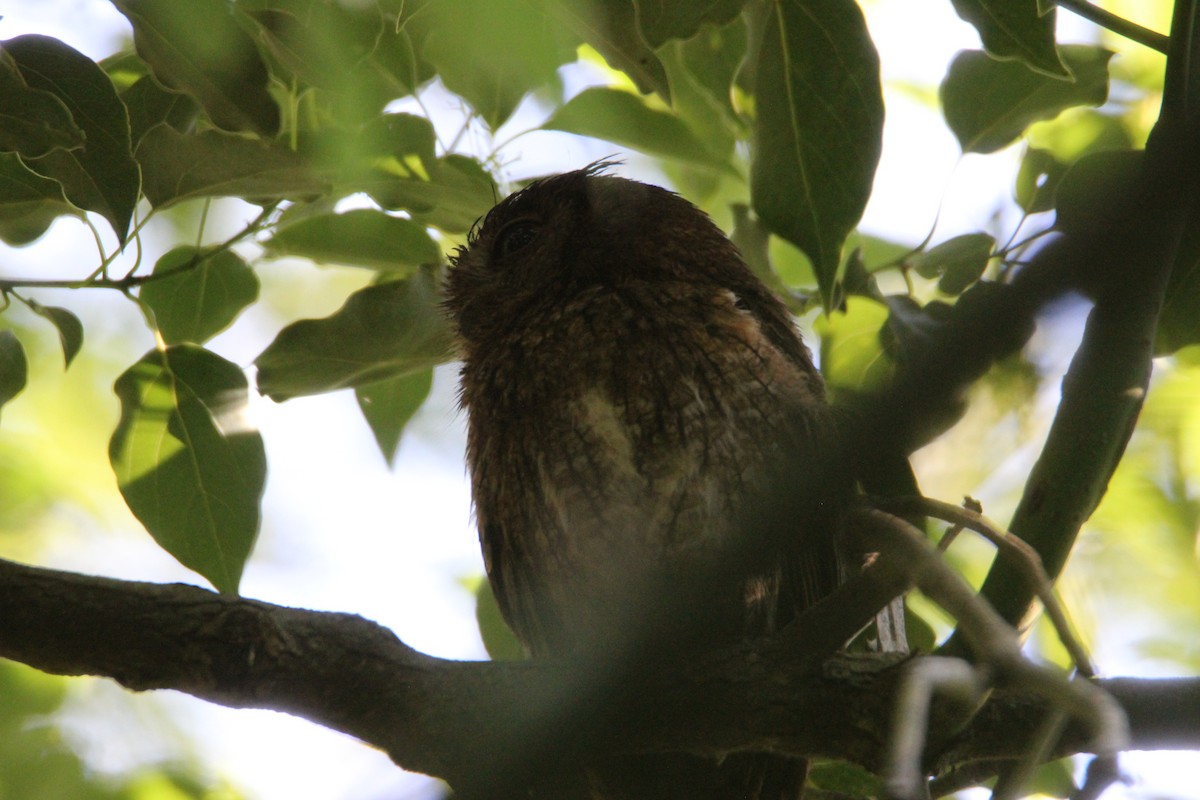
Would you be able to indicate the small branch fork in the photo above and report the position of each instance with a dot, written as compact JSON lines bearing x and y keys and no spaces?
{"x":964,"y":687}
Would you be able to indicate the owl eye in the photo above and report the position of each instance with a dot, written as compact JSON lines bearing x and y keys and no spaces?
{"x":514,"y":237}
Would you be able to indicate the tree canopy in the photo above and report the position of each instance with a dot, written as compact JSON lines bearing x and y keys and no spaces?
{"x":368,"y":138}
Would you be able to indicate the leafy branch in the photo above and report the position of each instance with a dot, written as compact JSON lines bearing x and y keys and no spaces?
{"x":132,"y":281}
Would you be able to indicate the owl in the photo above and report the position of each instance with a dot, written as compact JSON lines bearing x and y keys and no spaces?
{"x":636,"y":401}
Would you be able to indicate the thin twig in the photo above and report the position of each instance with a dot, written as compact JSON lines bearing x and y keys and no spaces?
{"x":994,"y":642}
{"x":1118,"y":25}
{"x":1009,"y":546}
{"x":955,"y":529}
{"x":132,"y":281}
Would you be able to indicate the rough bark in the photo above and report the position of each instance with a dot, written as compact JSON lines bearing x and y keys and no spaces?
{"x":480,"y":724}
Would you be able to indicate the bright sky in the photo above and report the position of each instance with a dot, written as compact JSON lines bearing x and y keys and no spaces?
{"x":343,"y":533}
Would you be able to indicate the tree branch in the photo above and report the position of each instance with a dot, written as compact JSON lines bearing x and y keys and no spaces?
{"x":1123,"y":258}
{"x":448,"y":718}
{"x":1118,"y":25}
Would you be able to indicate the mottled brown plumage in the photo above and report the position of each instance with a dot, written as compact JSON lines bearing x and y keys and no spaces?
{"x":633,"y":392}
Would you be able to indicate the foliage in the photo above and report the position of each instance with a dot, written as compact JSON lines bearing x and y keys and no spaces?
{"x":774,"y":109}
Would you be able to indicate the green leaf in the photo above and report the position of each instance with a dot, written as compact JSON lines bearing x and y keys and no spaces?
{"x":852,"y":355}
{"x":149,"y":105}
{"x":819,"y":129}
{"x":202,"y":296}
{"x":101,"y":177}
{"x":878,"y":253}
{"x":362,"y":237}
{"x":321,"y":43}
{"x":14,"y":368}
{"x":911,"y":326}
{"x":32,"y":122}
{"x":610,"y":26}
{"x":20,"y":185}
{"x":407,"y":141}
{"x":492,"y":52}
{"x":659,"y":21}
{"x":124,"y":68}
{"x":713,"y":59}
{"x":754,"y":241}
{"x":845,"y":780}
{"x":498,"y":639}
{"x":187,"y":462}
{"x":29,"y":203}
{"x":22,"y":225}
{"x":1079,"y":131}
{"x":344,"y":49}
{"x":455,"y":195}
{"x":199,"y":48}
{"x":919,"y":633}
{"x":1179,"y":322}
{"x":1055,"y":779}
{"x":1015,"y":29}
{"x":959,"y":262}
{"x":989,"y":103}
{"x":215,"y":164}
{"x":70,"y":329}
{"x":1087,"y":188}
{"x":388,"y":405}
{"x":624,"y":118}
{"x":1037,"y":178}
{"x":383,"y":331}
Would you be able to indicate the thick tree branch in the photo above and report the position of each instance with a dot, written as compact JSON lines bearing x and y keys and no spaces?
{"x":1123,"y":259}
{"x":446,"y":718}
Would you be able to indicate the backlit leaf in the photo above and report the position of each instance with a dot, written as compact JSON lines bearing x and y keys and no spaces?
{"x":214,"y":164}
{"x":199,"y":48}
{"x":344,"y":49}
{"x":149,"y":105}
{"x":624,"y":118}
{"x":1015,"y":29}
{"x":204,"y":293}
{"x":713,"y":59}
{"x":453,"y":197}
{"x":362,"y":237}
{"x":852,"y":355}
{"x":102,"y":176}
{"x":1037,"y":179}
{"x":661,"y":21}
{"x":389,"y":404}
{"x":187,"y":462}
{"x":498,"y":639}
{"x":32,"y":122}
{"x":493,"y":52}
{"x":958,"y":262}
{"x":819,"y":127}
{"x":70,"y":329}
{"x":610,"y":26}
{"x":29,"y":203}
{"x":989,"y":103}
{"x":383,"y":331}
